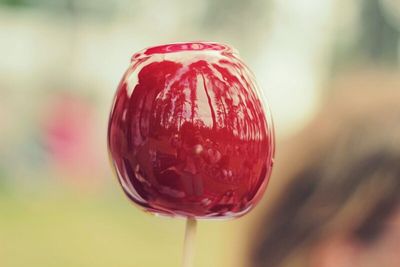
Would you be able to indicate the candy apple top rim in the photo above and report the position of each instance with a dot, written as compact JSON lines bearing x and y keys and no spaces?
{"x":184,"y":47}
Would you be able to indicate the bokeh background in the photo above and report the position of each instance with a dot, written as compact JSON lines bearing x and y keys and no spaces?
{"x":60,"y":63}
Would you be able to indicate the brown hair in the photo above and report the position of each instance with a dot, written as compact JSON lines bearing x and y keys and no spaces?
{"x":344,"y":173}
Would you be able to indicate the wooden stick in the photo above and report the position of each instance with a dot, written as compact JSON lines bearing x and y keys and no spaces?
{"x":188,"y":246}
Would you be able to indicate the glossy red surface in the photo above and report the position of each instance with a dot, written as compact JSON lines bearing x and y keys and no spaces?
{"x":188,"y":133}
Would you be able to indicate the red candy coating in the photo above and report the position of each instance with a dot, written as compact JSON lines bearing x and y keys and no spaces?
{"x":188,"y":133}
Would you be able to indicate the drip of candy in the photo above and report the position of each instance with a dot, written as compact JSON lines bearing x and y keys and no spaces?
{"x":189,"y":134}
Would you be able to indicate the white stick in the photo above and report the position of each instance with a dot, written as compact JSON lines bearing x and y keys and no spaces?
{"x":188,"y":246}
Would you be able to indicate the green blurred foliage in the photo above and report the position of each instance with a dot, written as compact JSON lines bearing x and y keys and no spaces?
{"x":376,"y":43}
{"x":61,"y":228}
{"x":14,"y":2}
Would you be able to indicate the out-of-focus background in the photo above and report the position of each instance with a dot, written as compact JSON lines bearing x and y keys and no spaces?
{"x":60,"y":63}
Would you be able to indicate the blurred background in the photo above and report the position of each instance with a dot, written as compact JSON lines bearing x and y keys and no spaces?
{"x":60,"y":63}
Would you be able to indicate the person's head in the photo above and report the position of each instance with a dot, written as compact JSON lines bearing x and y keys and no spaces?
{"x":340,"y":205}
